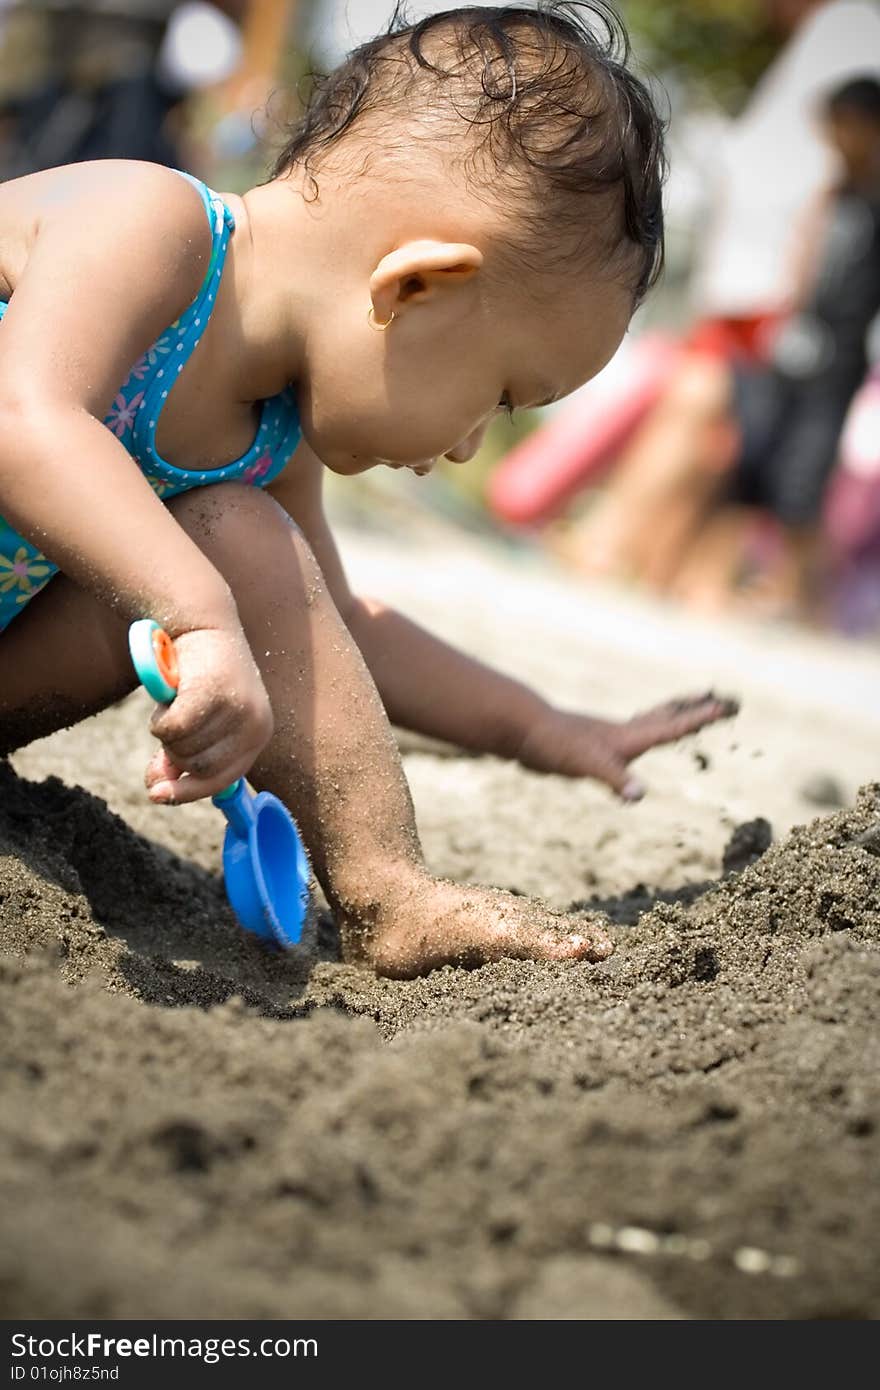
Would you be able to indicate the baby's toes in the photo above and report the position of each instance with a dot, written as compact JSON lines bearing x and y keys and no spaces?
{"x":589,"y":942}
{"x":596,"y":943}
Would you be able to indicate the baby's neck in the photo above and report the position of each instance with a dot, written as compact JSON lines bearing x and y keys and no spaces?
{"x":298,"y":258}
{"x":270,"y":290}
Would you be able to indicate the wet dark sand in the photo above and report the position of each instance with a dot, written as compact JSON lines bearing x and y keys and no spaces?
{"x":192,"y":1126}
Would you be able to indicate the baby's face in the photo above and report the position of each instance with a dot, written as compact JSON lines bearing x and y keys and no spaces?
{"x":429,"y":386}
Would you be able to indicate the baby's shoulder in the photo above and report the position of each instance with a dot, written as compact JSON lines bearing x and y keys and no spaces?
{"x":115,"y":195}
{"x":109,"y":254}
{"x":99,"y":181}
{"x":130,"y":216}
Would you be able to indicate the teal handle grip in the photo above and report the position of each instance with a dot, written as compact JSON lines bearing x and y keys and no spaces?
{"x":144,"y":636}
{"x":227,"y":793}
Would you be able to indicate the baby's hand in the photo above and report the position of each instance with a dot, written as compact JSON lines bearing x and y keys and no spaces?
{"x":575,"y":745}
{"x":219,"y":722}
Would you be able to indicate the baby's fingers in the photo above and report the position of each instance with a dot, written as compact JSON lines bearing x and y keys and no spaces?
{"x":178,"y":791}
{"x":160,"y":768}
{"x":186,"y":736}
{"x":182,"y":779}
{"x":674,"y":720}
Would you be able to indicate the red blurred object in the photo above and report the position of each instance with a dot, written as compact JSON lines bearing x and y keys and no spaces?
{"x":749,"y":337}
{"x":537,"y":479}
{"x":539,"y":476}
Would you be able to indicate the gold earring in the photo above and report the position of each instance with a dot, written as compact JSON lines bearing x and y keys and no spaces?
{"x":371,"y":320}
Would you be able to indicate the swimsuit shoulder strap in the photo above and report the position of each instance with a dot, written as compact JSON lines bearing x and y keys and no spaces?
{"x":220,"y":220}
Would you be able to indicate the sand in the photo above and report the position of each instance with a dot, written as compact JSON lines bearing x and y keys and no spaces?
{"x":192,"y":1126}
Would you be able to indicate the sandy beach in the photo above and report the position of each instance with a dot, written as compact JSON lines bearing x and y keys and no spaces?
{"x":192,"y":1126}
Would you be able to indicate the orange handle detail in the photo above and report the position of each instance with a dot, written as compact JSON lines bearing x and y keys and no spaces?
{"x":166,"y":657}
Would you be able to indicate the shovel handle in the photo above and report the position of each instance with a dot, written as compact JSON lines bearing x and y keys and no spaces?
{"x":155,"y":661}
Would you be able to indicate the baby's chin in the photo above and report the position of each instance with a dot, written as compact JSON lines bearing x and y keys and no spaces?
{"x":349,"y":465}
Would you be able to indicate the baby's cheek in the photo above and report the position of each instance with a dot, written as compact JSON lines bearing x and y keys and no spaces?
{"x":369,"y":413}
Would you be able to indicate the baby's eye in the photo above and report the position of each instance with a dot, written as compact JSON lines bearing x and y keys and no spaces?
{"x":506,"y":404}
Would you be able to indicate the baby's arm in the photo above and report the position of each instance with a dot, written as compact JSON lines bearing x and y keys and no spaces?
{"x":432,"y":688}
{"x":117,"y":254}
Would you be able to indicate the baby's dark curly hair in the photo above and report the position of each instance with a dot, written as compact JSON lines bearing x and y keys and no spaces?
{"x":560,"y":132}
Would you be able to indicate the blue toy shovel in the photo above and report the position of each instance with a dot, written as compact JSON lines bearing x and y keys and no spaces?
{"x":264,"y":863}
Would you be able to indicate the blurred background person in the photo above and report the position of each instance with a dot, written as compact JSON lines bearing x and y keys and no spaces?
{"x":329,"y":29}
{"x":104,"y":79}
{"x":770,"y":168}
{"x":766,"y":434}
{"x":777,"y":423}
{"x":765,"y":173}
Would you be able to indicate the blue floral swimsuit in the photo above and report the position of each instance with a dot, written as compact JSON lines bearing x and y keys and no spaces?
{"x":134,"y":416}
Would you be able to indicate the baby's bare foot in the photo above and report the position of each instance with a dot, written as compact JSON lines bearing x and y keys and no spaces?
{"x":438,"y":923}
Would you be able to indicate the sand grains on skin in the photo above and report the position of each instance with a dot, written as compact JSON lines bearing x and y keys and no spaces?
{"x":477,"y":926}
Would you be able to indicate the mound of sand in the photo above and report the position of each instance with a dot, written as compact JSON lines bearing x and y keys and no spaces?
{"x":195,"y":1127}
{"x":191,"y":1126}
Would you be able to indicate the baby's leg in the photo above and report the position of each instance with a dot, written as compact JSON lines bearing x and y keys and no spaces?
{"x":332,"y":757}
{"x":63,"y":658}
{"x":708,"y":575}
{"x":661,"y":485}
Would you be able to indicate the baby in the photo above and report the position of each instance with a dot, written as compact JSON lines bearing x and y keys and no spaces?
{"x":462,"y":223}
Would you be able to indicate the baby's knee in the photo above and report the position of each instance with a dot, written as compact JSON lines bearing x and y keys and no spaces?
{"x":246,"y":534}
{"x":701,"y":388}
{"x":227,"y":509}
{"x":234,"y":518}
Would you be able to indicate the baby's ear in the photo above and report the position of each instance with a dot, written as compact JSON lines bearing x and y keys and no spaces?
{"x":419,"y":269}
